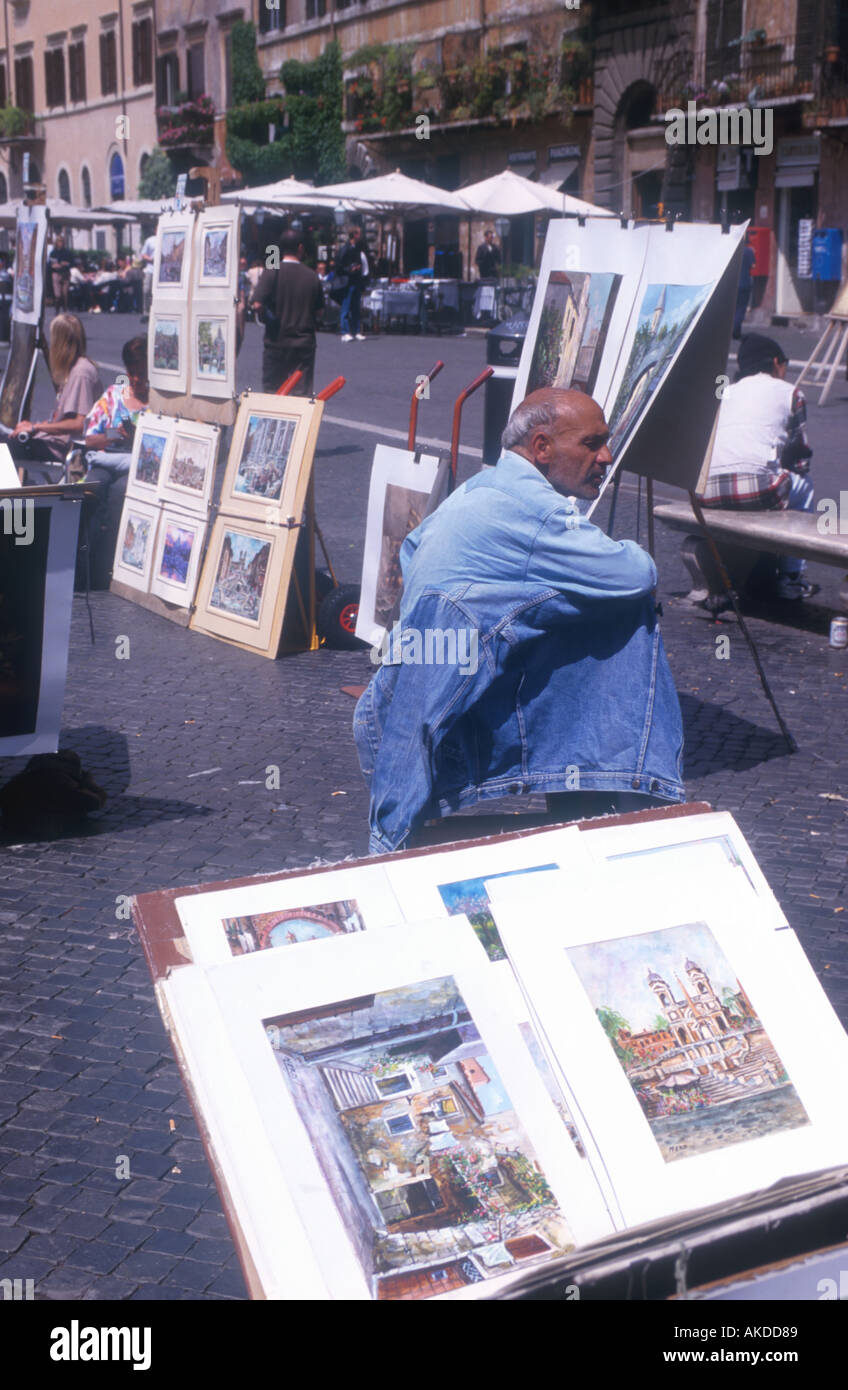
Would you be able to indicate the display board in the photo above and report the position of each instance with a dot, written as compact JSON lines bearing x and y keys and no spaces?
{"x":38,"y":542}
{"x":397,"y":1105}
{"x":639,"y":317}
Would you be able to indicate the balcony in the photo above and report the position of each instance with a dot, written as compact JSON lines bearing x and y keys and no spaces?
{"x":188,"y":125}
{"x":758,"y":68}
{"x":19,"y":127}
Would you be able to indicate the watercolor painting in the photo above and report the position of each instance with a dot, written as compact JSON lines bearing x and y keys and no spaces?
{"x":212,"y":348}
{"x":664,"y":316}
{"x":420,"y":1145}
{"x":264,"y":458}
{"x":403,"y":510}
{"x":572,"y":332}
{"x":136,"y":537}
{"x":214,"y":259}
{"x":176,"y":553}
{"x":190,"y":462}
{"x":25,"y":248}
{"x":469,"y":897}
{"x":240,"y":578}
{"x":149,"y":458}
{"x":685,"y":858}
{"x":291,"y":925}
{"x":688,"y":1039}
{"x":166,"y":345}
{"x":171,"y":257}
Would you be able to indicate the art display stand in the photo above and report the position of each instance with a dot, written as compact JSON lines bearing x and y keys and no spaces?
{"x":827,"y":357}
{"x":257,"y":977}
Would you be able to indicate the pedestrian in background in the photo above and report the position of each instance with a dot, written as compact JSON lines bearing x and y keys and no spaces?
{"x":59,"y":262}
{"x":488,"y":257}
{"x":743,"y":292}
{"x":289,"y":301}
{"x":350,"y":273}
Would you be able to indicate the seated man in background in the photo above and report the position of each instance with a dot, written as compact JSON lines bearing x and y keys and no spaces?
{"x":761,"y":457}
{"x":527,"y":657}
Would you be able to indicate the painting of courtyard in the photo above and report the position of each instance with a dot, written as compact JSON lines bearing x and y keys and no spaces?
{"x":288,"y":926}
{"x":688,"y":1039}
{"x":469,"y":897}
{"x":427,"y":1161}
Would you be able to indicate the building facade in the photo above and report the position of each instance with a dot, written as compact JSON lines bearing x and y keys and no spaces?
{"x":76,"y":96}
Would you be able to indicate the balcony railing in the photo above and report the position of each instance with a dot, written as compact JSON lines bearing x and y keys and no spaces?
{"x":17,"y":124}
{"x":756,"y":62}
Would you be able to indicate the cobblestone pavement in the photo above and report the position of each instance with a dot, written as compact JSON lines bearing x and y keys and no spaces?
{"x":180,"y":735}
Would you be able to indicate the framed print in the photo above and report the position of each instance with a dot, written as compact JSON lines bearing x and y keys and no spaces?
{"x":189,"y":471}
{"x":213,"y":348}
{"x":151,"y":448}
{"x":244,"y":584}
{"x":398,"y":495}
{"x":30,"y":249}
{"x":172,"y":260}
{"x":167,"y":348}
{"x":176,"y":558}
{"x":216,"y":265}
{"x":136,"y":543}
{"x":272,"y":446}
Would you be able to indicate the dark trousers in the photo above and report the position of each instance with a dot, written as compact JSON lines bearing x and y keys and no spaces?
{"x":278,"y":363}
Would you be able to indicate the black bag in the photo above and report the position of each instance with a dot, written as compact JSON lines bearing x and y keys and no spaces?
{"x":339,"y":288}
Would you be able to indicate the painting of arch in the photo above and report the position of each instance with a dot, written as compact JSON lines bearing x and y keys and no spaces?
{"x":295,"y":924}
{"x":427,"y":1161}
{"x":665,"y":314}
{"x":689,"y":1040}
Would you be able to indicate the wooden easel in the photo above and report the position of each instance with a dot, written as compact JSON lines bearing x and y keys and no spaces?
{"x":826,"y":357}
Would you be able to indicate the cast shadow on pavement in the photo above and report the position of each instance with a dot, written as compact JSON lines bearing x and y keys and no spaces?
{"x":717,"y":740}
{"x":104,"y":754}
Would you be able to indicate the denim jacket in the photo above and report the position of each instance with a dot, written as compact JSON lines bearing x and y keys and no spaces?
{"x":527,"y":658}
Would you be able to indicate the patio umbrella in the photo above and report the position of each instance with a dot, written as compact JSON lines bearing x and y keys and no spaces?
{"x":134,"y":207}
{"x":270,"y":193}
{"x":394,"y":193}
{"x":64,"y":214}
{"x":509,"y":195}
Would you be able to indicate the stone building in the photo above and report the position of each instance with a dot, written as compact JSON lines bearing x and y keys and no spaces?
{"x":76,"y":95}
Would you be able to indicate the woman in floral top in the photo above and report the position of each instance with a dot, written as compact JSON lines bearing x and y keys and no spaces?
{"x":112,"y":418}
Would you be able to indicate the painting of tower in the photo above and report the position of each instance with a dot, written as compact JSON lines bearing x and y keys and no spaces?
{"x":686,"y":1033}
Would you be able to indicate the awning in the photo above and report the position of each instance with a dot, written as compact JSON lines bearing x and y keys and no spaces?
{"x":556,"y":174}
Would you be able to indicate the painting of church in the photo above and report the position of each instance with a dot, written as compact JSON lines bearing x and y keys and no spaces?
{"x":427,"y":1161}
{"x":684,"y":1029}
{"x":665,"y":315}
{"x":288,"y":926}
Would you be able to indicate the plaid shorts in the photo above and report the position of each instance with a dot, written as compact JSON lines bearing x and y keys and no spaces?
{"x":752,"y":491}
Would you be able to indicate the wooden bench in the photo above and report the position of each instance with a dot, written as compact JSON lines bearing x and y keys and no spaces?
{"x":740,"y":536}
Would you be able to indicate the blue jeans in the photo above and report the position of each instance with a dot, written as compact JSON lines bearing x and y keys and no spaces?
{"x":350,"y":309}
{"x":800,"y":500}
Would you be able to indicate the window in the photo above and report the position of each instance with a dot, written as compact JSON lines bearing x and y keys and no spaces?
{"x":272,"y":18}
{"x":228,"y":70}
{"x":400,"y":1124}
{"x":315,"y":9}
{"x":85,"y":183}
{"x":3,"y":93}
{"x":64,"y":186}
{"x":4,"y":189}
{"x":396,"y":1085}
{"x":116,"y":177}
{"x":445,"y":1107}
{"x":196,"y":71}
{"x":24,"y":87}
{"x":54,"y":76}
{"x":76,"y":70}
{"x":108,"y":63}
{"x":142,"y":52}
{"x":167,"y":79}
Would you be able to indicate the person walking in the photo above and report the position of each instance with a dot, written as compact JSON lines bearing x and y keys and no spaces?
{"x":59,"y":262}
{"x":289,"y":301}
{"x":352,"y":262}
{"x":488,"y":256}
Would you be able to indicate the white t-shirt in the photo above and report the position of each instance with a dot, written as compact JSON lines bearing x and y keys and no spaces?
{"x":753,"y":425}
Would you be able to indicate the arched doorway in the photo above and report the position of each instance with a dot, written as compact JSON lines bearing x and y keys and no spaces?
{"x":116,"y":178}
{"x":639,"y":152}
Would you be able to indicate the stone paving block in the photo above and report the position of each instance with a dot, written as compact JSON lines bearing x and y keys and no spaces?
{"x":146,"y":1266}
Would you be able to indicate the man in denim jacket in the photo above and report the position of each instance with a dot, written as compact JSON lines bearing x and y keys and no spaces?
{"x":527,"y":657}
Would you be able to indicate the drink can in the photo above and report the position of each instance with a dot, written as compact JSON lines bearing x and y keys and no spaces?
{"x":839,"y":632}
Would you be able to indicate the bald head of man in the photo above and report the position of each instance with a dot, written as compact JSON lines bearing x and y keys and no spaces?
{"x":564,"y":434}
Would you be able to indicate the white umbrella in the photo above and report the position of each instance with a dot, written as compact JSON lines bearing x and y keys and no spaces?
{"x":508,"y":195}
{"x":64,"y":214}
{"x":390,"y":192}
{"x":277,"y":192}
{"x":135,"y":207}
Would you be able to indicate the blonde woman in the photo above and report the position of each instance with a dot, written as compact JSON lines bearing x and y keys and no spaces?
{"x":41,"y":445}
